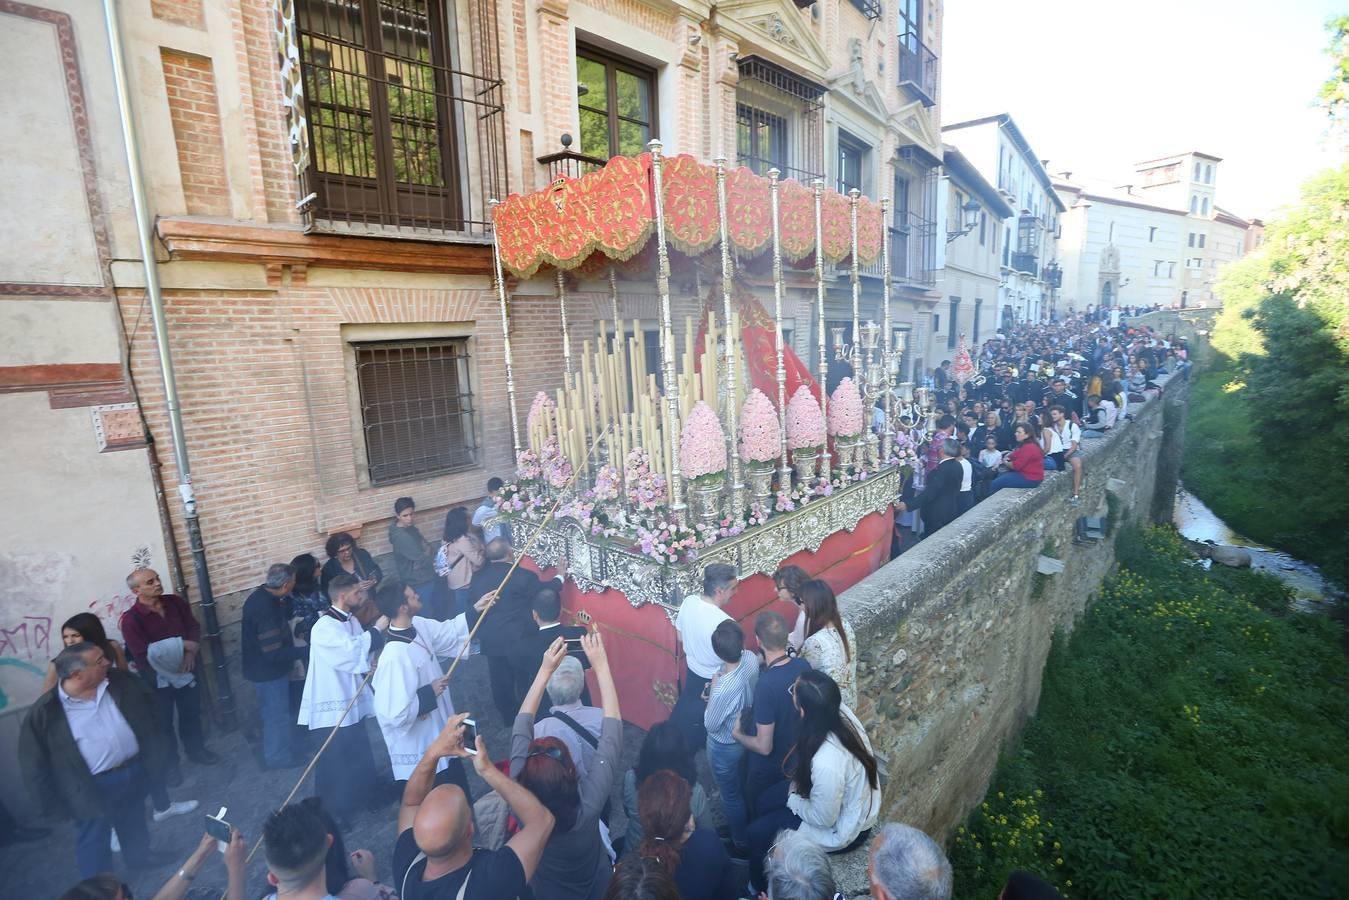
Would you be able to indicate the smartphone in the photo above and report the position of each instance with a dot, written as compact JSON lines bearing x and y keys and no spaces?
{"x":573,"y":645}
{"x":218,"y":828}
{"x":471,"y":736}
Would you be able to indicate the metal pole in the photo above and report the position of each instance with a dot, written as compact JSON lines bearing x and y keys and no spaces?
{"x":823,"y":342}
{"x":667,"y":351}
{"x":145,"y":233}
{"x":785,"y":467}
{"x":886,"y":349}
{"x":566,"y":326}
{"x":732,"y":414}
{"x":505,"y":332}
{"x":853,"y":196}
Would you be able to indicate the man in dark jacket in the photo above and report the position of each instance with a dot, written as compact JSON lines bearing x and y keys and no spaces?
{"x":939,"y":498}
{"x":506,"y":619}
{"x":413,"y":557}
{"x":269,"y":655}
{"x":85,"y":748}
{"x":528,"y":656}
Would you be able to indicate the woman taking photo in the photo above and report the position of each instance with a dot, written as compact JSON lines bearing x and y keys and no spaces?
{"x":835,"y":794}
{"x":575,"y":864}
{"x":693,"y":857}
{"x":829,"y":640}
{"x":1026,"y":463}
{"x":459,"y":557}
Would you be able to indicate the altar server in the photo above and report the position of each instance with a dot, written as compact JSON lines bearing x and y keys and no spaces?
{"x":412,"y":695}
{"x":339,"y":658}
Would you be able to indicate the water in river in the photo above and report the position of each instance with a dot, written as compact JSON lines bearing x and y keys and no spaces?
{"x":1197,"y":522}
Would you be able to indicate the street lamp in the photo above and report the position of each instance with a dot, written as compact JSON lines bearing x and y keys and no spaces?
{"x":971,"y":210}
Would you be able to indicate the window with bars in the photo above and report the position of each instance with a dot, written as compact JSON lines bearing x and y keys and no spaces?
{"x":761,"y":139}
{"x":416,"y":405}
{"x":616,"y":102}
{"x":399,"y":134}
{"x":779,"y":121}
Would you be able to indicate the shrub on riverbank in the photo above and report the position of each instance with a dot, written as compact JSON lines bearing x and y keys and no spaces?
{"x":1278,"y":496}
{"x":1190,"y":742}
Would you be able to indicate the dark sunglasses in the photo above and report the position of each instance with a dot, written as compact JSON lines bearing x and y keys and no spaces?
{"x":550,"y":752}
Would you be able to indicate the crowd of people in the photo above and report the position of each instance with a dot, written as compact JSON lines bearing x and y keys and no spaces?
{"x":1039,"y":393}
{"x":793,"y":774}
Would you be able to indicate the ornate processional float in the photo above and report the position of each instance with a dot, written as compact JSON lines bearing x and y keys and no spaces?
{"x":731,"y":452}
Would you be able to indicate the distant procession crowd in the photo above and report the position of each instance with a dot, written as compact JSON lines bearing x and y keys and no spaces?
{"x":796,"y":779}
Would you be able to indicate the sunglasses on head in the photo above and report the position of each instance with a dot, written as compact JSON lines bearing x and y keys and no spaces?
{"x":550,"y":752}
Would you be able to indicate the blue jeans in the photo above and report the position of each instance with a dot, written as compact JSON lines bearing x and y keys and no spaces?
{"x":1011,"y":480}
{"x":278,"y":727}
{"x":122,"y":795}
{"x":460,"y":601}
{"x":724,"y":760}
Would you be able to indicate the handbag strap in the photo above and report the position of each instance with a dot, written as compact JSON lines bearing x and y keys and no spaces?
{"x":463,"y":888}
{"x":577,"y":727}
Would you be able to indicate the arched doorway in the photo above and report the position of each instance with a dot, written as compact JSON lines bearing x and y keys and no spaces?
{"x":1107,"y":295}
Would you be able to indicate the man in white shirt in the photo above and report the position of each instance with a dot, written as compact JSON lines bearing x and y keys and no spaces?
{"x":412,"y":694}
{"x":335,"y":695}
{"x":699,"y":615}
{"x":86,"y":748}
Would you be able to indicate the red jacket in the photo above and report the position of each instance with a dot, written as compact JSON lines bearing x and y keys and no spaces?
{"x":1027,"y":460}
{"x":142,"y":626}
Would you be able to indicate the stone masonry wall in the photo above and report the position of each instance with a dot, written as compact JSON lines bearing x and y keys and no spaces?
{"x":955,"y":632}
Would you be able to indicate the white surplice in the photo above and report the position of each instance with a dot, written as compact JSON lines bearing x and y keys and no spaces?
{"x":409,"y":663}
{"x":339,"y":657}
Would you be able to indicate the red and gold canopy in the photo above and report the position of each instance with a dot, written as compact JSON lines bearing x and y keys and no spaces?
{"x":610,"y":213}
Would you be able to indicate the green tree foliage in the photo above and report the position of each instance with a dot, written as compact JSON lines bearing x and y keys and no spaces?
{"x":1334,"y":94}
{"x":1284,"y":336}
{"x":1189,"y":743}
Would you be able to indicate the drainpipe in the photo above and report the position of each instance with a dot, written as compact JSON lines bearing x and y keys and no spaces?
{"x":145,"y":232}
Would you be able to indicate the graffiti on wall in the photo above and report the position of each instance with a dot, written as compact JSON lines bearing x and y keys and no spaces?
{"x":27,"y":642}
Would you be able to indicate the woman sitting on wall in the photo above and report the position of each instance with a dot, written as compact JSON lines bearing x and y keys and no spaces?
{"x":835,"y":795}
{"x":1026,"y":463}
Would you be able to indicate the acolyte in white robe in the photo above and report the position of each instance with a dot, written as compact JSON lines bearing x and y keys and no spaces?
{"x":409,"y":713}
{"x":339,"y":657}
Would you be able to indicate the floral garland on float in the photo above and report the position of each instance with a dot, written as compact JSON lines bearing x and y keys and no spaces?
{"x":759,"y":444}
{"x":845,"y":423}
{"x":805,"y":432}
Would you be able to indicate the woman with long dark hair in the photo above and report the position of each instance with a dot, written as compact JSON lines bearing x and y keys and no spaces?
{"x":460,"y":555}
{"x":829,"y":644}
{"x":835,"y":795}
{"x":693,"y":857}
{"x":307,"y":600}
{"x":663,"y":747}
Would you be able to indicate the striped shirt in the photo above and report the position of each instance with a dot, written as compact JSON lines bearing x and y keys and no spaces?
{"x":733,"y":691}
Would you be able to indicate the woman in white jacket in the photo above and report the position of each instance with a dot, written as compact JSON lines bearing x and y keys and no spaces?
{"x":835,"y":795}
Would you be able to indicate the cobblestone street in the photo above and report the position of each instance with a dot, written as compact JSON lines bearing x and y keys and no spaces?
{"x":45,"y":869}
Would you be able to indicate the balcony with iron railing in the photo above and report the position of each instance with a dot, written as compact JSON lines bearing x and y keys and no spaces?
{"x":917,"y":69}
{"x":569,"y":162}
{"x":1024,"y":261}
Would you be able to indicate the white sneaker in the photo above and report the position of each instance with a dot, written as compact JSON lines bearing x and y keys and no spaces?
{"x":180,"y":808}
{"x":116,"y":844}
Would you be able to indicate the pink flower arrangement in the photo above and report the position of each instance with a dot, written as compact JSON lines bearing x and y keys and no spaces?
{"x":805,"y":422}
{"x":702,"y":445}
{"x":544,"y":408}
{"x":758,"y":429}
{"x":527,"y":465}
{"x":645,"y":490}
{"x":607,"y":483}
{"x":557,"y":470}
{"x":845,"y":410}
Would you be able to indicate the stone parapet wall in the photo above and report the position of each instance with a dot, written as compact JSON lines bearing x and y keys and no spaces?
{"x":955,"y":632}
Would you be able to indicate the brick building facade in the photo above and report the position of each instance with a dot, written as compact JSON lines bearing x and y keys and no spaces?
{"x":300,"y":304}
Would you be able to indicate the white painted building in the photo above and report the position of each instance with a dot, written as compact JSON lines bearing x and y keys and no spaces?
{"x":1029,"y":253}
{"x":1161,"y":240}
{"x":972,"y":212}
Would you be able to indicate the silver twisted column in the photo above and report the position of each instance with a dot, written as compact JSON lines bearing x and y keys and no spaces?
{"x":667,"y":363}
{"x":737,"y":499}
{"x":505,"y":331}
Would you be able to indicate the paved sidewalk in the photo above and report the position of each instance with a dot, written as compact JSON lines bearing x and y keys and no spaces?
{"x":45,"y":869}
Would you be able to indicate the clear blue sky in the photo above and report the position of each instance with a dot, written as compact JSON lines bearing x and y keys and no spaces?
{"x":1095,"y":87}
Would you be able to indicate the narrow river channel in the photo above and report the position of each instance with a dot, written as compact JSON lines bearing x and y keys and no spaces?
{"x":1312,"y":590}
